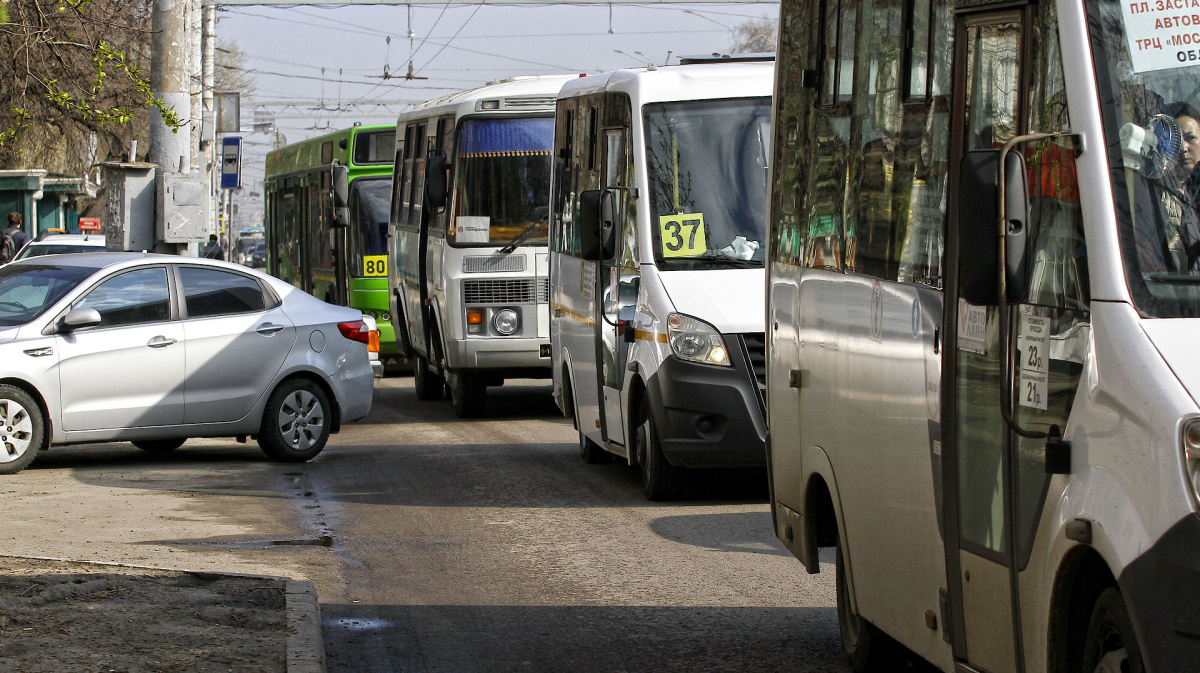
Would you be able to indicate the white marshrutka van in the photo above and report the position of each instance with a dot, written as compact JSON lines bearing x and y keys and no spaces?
{"x":658,"y":214}
{"x":468,"y":224}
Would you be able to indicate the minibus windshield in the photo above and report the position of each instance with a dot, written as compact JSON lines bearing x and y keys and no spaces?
{"x":706,"y":162}
{"x":1148,"y":70}
{"x":502,"y":180}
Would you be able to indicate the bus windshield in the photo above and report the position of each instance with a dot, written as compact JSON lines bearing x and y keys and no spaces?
{"x":707,"y":169}
{"x":1148,"y":60}
{"x":502,"y":180}
{"x":369,"y":203}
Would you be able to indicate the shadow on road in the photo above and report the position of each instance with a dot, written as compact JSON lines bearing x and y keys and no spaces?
{"x":711,"y":532}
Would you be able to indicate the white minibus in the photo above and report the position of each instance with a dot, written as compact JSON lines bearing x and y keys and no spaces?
{"x":983,"y":279}
{"x":658,"y":218}
{"x":468,"y":241}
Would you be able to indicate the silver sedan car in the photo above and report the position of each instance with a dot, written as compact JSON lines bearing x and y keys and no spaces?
{"x":155,"y":349}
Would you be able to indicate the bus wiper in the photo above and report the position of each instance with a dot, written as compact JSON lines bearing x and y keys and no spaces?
{"x":715,"y":256}
{"x":1167,"y":277}
{"x":521,"y":237}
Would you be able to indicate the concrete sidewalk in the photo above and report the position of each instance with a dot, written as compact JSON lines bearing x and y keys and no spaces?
{"x":58,"y":614}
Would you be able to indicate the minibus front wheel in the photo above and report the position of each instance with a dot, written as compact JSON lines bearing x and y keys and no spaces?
{"x":1111,"y":646}
{"x":866,"y":648}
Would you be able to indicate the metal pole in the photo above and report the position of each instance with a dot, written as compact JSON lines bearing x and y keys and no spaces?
{"x":195,"y":77}
{"x":169,"y":82}
{"x":208,"y":79}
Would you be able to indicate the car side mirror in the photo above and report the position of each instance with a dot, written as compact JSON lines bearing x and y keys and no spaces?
{"x":78,"y":318}
{"x":436,"y":187}
{"x":978,"y":233}
{"x":589,"y":224}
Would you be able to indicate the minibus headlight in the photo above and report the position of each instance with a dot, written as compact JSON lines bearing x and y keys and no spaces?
{"x":506,"y":321}
{"x":1191,"y":453}
{"x":694,"y":340}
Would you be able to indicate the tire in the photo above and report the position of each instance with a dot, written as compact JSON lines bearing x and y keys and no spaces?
{"x":22,"y":429}
{"x":159,"y":445}
{"x":1111,"y":645}
{"x":468,"y":395}
{"x":296,"y":422}
{"x":428,"y":385}
{"x":660,"y":479}
{"x":865,"y":647}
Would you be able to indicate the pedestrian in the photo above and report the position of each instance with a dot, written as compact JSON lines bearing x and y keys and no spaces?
{"x":212,"y":249}
{"x":13,"y":238}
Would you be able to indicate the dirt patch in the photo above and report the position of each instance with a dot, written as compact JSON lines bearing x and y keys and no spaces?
{"x":64,"y":616}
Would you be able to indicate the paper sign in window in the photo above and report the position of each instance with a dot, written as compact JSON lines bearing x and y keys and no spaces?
{"x":473,"y":229}
{"x":682,"y":235}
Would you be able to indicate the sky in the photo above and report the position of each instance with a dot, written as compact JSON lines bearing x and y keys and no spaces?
{"x":322,"y":58}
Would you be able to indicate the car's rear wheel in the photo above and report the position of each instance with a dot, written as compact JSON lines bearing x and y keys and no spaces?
{"x":159,"y":445}
{"x":22,"y":429}
{"x":296,"y":422}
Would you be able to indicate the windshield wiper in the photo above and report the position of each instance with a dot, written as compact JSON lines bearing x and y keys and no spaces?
{"x":715,"y":256}
{"x":1167,"y":277}
{"x":520,"y":238}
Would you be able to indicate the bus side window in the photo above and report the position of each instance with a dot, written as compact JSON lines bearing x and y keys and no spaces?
{"x":404,"y":188}
{"x":563,"y":222}
{"x":397,"y":182}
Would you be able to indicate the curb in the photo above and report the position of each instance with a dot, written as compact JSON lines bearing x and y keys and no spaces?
{"x":305,"y":644}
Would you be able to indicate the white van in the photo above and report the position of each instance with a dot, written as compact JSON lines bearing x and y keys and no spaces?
{"x":658,"y":216}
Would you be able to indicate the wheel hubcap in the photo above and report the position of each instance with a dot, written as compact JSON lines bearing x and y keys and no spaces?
{"x":16,"y":430}
{"x":301,"y":420}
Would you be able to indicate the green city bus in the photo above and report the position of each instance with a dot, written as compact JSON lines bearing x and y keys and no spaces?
{"x":326,"y":222}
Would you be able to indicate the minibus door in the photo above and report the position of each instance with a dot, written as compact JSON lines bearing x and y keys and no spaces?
{"x":989,"y":57}
{"x":619,"y":280}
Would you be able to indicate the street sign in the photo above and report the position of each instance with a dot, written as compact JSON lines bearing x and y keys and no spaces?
{"x":231,"y":163}
{"x":89,"y":224}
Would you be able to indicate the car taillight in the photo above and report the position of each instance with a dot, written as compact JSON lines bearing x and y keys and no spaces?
{"x":355,"y":331}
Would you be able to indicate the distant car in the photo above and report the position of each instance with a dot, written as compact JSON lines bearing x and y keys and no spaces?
{"x":155,"y":349}
{"x":258,"y":259}
{"x":61,"y":244}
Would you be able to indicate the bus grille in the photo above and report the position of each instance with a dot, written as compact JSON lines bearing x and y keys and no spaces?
{"x":529,"y":102}
{"x":756,"y":354}
{"x":499,"y":291}
{"x":489,"y":263}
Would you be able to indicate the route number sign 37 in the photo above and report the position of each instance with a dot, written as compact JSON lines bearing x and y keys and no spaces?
{"x":682,"y":235}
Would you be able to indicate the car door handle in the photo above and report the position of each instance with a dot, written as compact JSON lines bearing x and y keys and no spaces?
{"x":160,"y":342}
{"x":269,"y":329}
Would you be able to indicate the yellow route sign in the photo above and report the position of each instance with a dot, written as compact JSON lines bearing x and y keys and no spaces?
{"x":682,"y":235}
{"x":375,"y":265}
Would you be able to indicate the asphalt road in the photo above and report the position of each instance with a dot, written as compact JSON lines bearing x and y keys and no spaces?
{"x":438,"y":544}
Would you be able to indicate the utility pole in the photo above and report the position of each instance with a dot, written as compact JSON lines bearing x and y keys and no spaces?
{"x":169,"y":81}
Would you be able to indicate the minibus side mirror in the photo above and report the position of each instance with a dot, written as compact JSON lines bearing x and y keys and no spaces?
{"x":978,"y":234}
{"x":589,"y":224}
{"x":436,"y":187}
{"x":608,"y":225}
{"x":341,"y":196}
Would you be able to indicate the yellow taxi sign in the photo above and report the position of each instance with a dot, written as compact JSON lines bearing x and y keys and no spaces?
{"x":682,"y":235}
{"x":375,"y":265}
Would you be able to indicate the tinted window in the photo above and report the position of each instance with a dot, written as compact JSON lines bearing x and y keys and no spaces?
{"x":212,"y":292}
{"x":131,"y":298}
{"x":28,"y":290}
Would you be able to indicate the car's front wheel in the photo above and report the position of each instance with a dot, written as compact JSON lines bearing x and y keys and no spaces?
{"x":296,"y":422}
{"x":22,"y":429}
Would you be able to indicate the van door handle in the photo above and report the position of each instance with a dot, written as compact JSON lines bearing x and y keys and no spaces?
{"x":269,"y":329}
{"x":160,"y":342}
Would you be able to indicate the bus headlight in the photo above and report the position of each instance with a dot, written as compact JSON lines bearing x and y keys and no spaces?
{"x":506,"y":321}
{"x":694,"y":340}
{"x":1191,"y":453}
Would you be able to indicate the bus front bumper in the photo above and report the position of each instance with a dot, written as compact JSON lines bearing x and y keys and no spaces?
{"x":1161,"y":588}
{"x":514,"y":355}
{"x":707,"y":416}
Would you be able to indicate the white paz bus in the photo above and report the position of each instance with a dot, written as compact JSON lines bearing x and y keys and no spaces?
{"x":658,"y":223}
{"x":469,"y":274}
{"x":1007,"y":462}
